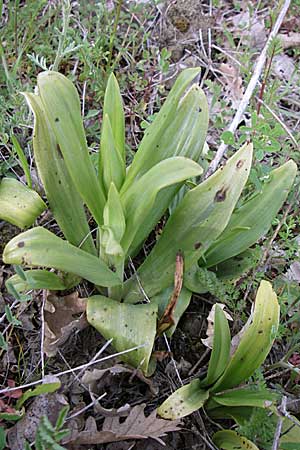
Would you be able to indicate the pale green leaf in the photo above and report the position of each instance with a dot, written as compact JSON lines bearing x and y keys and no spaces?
{"x":19,"y":204}
{"x":128,"y":325}
{"x":256,"y":341}
{"x":113,"y":107}
{"x":39,"y":247}
{"x":184,"y":401}
{"x":62,"y":107}
{"x":36,"y":279}
{"x":195,"y":224}
{"x":261,"y":398}
{"x":221,"y":348}
{"x":65,"y":202}
{"x":111,"y":164}
{"x":253,"y":219}
{"x":231,"y":440}
{"x":139,"y":199}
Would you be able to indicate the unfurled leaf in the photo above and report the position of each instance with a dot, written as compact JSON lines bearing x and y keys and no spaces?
{"x":208,"y":208}
{"x":128,"y":325}
{"x":256,"y":341}
{"x":112,"y":232}
{"x":39,"y":247}
{"x":221,"y":348}
{"x":139,"y":199}
{"x":61,"y":320}
{"x":19,"y":204}
{"x":184,"y":401}
{"x":65,"y":202}
{"x":113,"y":108}
{"x":61,"y":104}
{"x":231,"y":440}
{"x":253,"y":219}
{"x":111,"y":163}
{"x":136,"y":426}
{"x":36,"y":279}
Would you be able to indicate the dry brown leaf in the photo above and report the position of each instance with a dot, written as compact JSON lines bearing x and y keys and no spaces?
{"x":136,"y":426}
{"x":233,"y":84}
{"x":60,"y":320}
{"x":167,"y":319}
{"x":291,"y":39}
{"x":208,"y":342}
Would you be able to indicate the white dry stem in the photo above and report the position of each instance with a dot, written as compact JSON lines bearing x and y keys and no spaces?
{"x":250,"y":88}
{"x":82,"y":366}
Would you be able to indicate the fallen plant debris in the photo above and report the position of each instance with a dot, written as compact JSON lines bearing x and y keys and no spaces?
{"x":136,"y":426}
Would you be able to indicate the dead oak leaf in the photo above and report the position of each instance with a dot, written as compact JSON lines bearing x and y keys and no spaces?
{"x":136,"y":426}
{"x":60,"y":320}
{"x":233,"y":84}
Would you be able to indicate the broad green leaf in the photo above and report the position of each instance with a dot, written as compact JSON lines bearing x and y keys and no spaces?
{"x":253,"y":219}
{"x":221,"y":348}
{"x":139,"y":199}
{"x":62,"y":106}
{"x":231,"y":440}
{"x":44,"y":388}
{"x":234,"y":267}
{"x":195,"y":224}
{"x":128,"y":325}
{"x":65,"y":202}
{"x":162,"y":301}
{"x":145,"y":157}
{"x":240,"y":414}
{"x":184,"y":401}
{"x":19,"y":204}
{"x":113,"y":107}
{"x":111,"y":163}
{"x":256,"y":341}
{"x":39,"y":247}
{"x":246,"y":397}
{"x":36,"y":279}
{"x":185,"y":137}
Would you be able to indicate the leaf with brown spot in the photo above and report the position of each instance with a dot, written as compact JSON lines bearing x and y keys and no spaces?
{"x":136,"y":426}
{"x":60,"y":320}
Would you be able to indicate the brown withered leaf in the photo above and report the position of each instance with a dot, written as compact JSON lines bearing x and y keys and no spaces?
{"x":167,"y":319}
{"x":233,"y":84}
{"x":136,"y":426}
{"x":60,"y":320}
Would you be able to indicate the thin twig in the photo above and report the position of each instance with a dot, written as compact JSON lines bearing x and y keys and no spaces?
{"x":43,"y":332}
{"x":250,"y":88}
{"x":83,"y":366}
{"x":172,"y":359}
{"x":279,"y":424}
